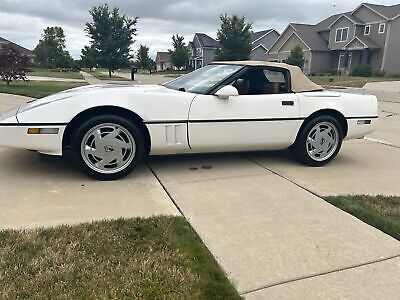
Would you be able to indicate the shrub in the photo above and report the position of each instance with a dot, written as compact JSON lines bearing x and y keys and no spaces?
{"x":13,"y":64}
{"x":379,"y":73}
{"x":362,"y":70}
{"x":296,"y":57}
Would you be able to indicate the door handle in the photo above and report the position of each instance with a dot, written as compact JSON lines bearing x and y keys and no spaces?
{"x":287,"y":103}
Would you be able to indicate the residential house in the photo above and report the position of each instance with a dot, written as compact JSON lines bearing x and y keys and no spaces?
{"x":201,"y":50}
{"x":370,"y":34}
{"x":163,"y":61}
{"x":261,"y":42}
{"x":23,"y":50}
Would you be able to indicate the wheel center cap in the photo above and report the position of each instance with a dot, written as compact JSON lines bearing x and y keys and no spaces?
{"x":109,"y":148}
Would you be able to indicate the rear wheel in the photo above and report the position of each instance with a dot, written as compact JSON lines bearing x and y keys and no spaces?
{"x":107,"y":147}
{"x":319,"y":141}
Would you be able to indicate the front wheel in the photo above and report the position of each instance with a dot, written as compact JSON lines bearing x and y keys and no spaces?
{"x":107,"y":147}
{"x":319,"y":141}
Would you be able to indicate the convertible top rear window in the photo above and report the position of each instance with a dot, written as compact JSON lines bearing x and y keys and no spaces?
{"x":204,"y":79}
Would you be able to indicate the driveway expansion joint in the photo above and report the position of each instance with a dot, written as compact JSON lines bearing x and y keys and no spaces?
{"x":245,"y":293}
{"x":166,"y":191}
{"x":382,"y":142}
{"x":285,"y":177}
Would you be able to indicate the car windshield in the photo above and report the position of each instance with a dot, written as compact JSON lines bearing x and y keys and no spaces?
{"x":202,"y":80}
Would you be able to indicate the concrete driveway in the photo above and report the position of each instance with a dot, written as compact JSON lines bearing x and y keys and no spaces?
{"x":260,"y":214}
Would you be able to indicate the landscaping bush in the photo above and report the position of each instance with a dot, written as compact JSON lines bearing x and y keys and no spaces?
{"x":379,"y":73}
{"x":362,"y":71}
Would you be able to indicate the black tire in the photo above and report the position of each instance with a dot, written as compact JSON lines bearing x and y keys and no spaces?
{"x":87,"y":126}
{"x":299,"y":148}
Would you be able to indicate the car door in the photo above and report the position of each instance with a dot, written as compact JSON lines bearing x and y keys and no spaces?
{"x":251,"y":121}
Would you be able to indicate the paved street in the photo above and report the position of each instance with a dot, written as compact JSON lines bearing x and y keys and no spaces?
{"x":260,"y":214}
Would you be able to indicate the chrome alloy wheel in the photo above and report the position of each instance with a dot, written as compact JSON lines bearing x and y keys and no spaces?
{"x":322,"y":141}
{"x":108,"y":148}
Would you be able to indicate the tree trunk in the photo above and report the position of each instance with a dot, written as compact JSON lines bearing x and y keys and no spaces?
{"x":109,"y":72}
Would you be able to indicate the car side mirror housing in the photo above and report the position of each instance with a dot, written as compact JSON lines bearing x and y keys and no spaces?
{"x":226,"y":92}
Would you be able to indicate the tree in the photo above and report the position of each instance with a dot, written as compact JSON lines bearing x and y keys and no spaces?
{"x":143,"y":59}
{"x":89,"y":57}
{"x":234,"y":38}
{"x":50,"y":52}
{"x":180,"y":54}
{"x":296,"y":57}
{"x":13,"y":64}
{"x":111,"y":36}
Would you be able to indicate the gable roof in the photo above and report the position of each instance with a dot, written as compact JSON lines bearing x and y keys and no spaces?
{"x":310,"y":36}
{"x":163,"y":56}
{"x":350,"y":17}
{"x":258,"y":46}
{"x":386,"y":11}
{"x":4,"y":41}
{"x":205,"y":40}
{"x":259,"y":34}
{"x":366,"y":41}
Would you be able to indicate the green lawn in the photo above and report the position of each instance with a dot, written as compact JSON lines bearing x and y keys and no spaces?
{"x":156,"y":258}
{"x":54,"y":73}
{"x":36,"y":89}
{"x":348,"y":81}
{"x":378,"y":211}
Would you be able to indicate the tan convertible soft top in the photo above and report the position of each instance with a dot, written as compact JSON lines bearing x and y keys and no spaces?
{"x":300,"y":82}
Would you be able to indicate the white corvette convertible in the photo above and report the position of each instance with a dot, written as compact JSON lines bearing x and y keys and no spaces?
{"x":226,"y":106}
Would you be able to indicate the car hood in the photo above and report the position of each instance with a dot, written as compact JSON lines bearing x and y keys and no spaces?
{"x":94,"y":90}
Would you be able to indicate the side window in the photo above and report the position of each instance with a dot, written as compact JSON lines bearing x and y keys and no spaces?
{"x":277,"y":82}
{"x":262,"y":81}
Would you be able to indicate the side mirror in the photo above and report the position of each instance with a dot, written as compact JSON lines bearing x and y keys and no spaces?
{"x":226,"y":92}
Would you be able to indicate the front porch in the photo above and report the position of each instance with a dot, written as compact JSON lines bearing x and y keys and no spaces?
{"x":358,"y":52}
{"x":196,"y":63}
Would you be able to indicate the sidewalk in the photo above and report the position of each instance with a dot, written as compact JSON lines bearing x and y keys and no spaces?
{"x":41,"y":78}
{"x":89,"y":78}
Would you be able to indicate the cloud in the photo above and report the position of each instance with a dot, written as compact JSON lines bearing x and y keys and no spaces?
{"x":22,"y":21}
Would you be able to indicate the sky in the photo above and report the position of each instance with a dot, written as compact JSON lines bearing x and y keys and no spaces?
{"x":23,"y":21}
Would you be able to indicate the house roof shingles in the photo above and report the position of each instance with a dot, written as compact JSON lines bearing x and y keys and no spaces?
{"x":163,"y":56}
{"x":256,"y":35}
{"x":4,"y":41}
{"x":367,"y":41}
{"x":206,"y":41}
{"x":309,"y":34}
{"x":389,"y":11}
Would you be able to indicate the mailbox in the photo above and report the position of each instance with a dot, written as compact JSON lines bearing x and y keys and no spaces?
{"x":134,"y":70}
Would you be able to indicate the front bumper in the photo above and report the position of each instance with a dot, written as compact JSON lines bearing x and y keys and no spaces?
{"x":16,"y":136}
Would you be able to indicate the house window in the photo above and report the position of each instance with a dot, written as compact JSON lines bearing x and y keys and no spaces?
{"x":367,"y":29}
{"x":342,"y":34}
{"x":382,"y":28}
{"x":198,"y":52}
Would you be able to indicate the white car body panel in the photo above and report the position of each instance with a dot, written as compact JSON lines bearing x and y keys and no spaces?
{"x":254,"y":122}
{"x":246,"y":122}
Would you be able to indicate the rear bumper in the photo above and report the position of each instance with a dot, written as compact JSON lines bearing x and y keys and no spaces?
{"x":14,"y":135}
{"x":357,"y":130}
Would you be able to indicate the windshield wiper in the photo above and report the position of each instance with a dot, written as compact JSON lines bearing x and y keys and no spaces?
{"x":182,"y":89}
